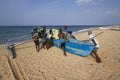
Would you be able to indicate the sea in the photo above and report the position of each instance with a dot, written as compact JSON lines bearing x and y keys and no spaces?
{"x":20,"y":34}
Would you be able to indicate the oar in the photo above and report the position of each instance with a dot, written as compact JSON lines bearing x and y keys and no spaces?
{"x":96,"y":35}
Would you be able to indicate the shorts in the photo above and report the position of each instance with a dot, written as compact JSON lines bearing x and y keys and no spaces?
{"x":62,"y":44}
{"x":43,"y":40}
{"x":61,"y":40}
{"x":95,"y":48}
{"x":36,"y":42}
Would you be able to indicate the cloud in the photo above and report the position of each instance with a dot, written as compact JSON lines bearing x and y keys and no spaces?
{"x":83,"y":1}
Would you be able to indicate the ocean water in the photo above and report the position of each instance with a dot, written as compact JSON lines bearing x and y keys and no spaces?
{"x":19,"y":34}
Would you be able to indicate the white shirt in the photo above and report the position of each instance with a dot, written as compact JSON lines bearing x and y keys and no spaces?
{"x":96,"y":41}
{"x":49,"y":35}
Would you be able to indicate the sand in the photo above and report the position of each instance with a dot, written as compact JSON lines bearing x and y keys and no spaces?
{"x":5,"y":70}
{"x":53,"y":65}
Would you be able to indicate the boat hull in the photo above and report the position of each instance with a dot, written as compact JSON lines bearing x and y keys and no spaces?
{"x":81,"y":49}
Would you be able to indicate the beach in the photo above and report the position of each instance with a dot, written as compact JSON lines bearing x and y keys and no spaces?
{"x":53,"y":65}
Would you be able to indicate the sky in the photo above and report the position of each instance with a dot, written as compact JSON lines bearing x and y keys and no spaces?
{"x":59,"y":12}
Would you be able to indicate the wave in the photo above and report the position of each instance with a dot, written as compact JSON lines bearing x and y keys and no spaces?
{"x":83,"y":30}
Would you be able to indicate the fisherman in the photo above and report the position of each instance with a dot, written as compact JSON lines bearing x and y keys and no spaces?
{"x":71,"y":35}
{"x":35,"y":38}
{"x":49,"y":39}
{"x":94,"y":40}
{"x":44,"y":35}
{"x":35,"y":30}
{"x":61,"y":37}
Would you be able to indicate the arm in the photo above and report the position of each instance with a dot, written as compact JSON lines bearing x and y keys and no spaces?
{"x":73,"y":36}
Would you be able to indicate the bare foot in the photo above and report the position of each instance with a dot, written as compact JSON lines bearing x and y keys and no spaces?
{"x":65,"y":54}
{"x":98,"y":61}
{"x":38,"y":49}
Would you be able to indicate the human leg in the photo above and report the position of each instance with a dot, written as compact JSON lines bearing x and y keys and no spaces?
{"x":47,"y":44}
{"x":50,"y":42}
{"x":44,"y":41}
{"x":37,"y":45}
{"x":98,"y":60}
{"x":63,"y":48}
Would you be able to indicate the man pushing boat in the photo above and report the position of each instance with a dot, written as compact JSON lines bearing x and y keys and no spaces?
{"x":61,"y":37}
{"x":96,"y":44}
{"x":92,"y":39}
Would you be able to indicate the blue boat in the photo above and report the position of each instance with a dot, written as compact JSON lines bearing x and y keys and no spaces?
{"x":82,"y":49}
{"x":73,"y":46}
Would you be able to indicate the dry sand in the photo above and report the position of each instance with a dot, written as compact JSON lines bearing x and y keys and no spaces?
{"x":5,"y":70}
{"x":53,"y":65}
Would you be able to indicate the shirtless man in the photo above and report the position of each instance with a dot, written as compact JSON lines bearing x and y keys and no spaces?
{"x":61,"y":36}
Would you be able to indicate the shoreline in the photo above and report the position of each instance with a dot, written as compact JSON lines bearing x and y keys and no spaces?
{"x":2,"y":45}
{"x":75,"y":32}
{"x":19,"y":43}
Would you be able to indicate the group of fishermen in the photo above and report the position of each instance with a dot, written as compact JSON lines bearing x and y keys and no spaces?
{"x":46,"y":38}
{"x":41,"y":36}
